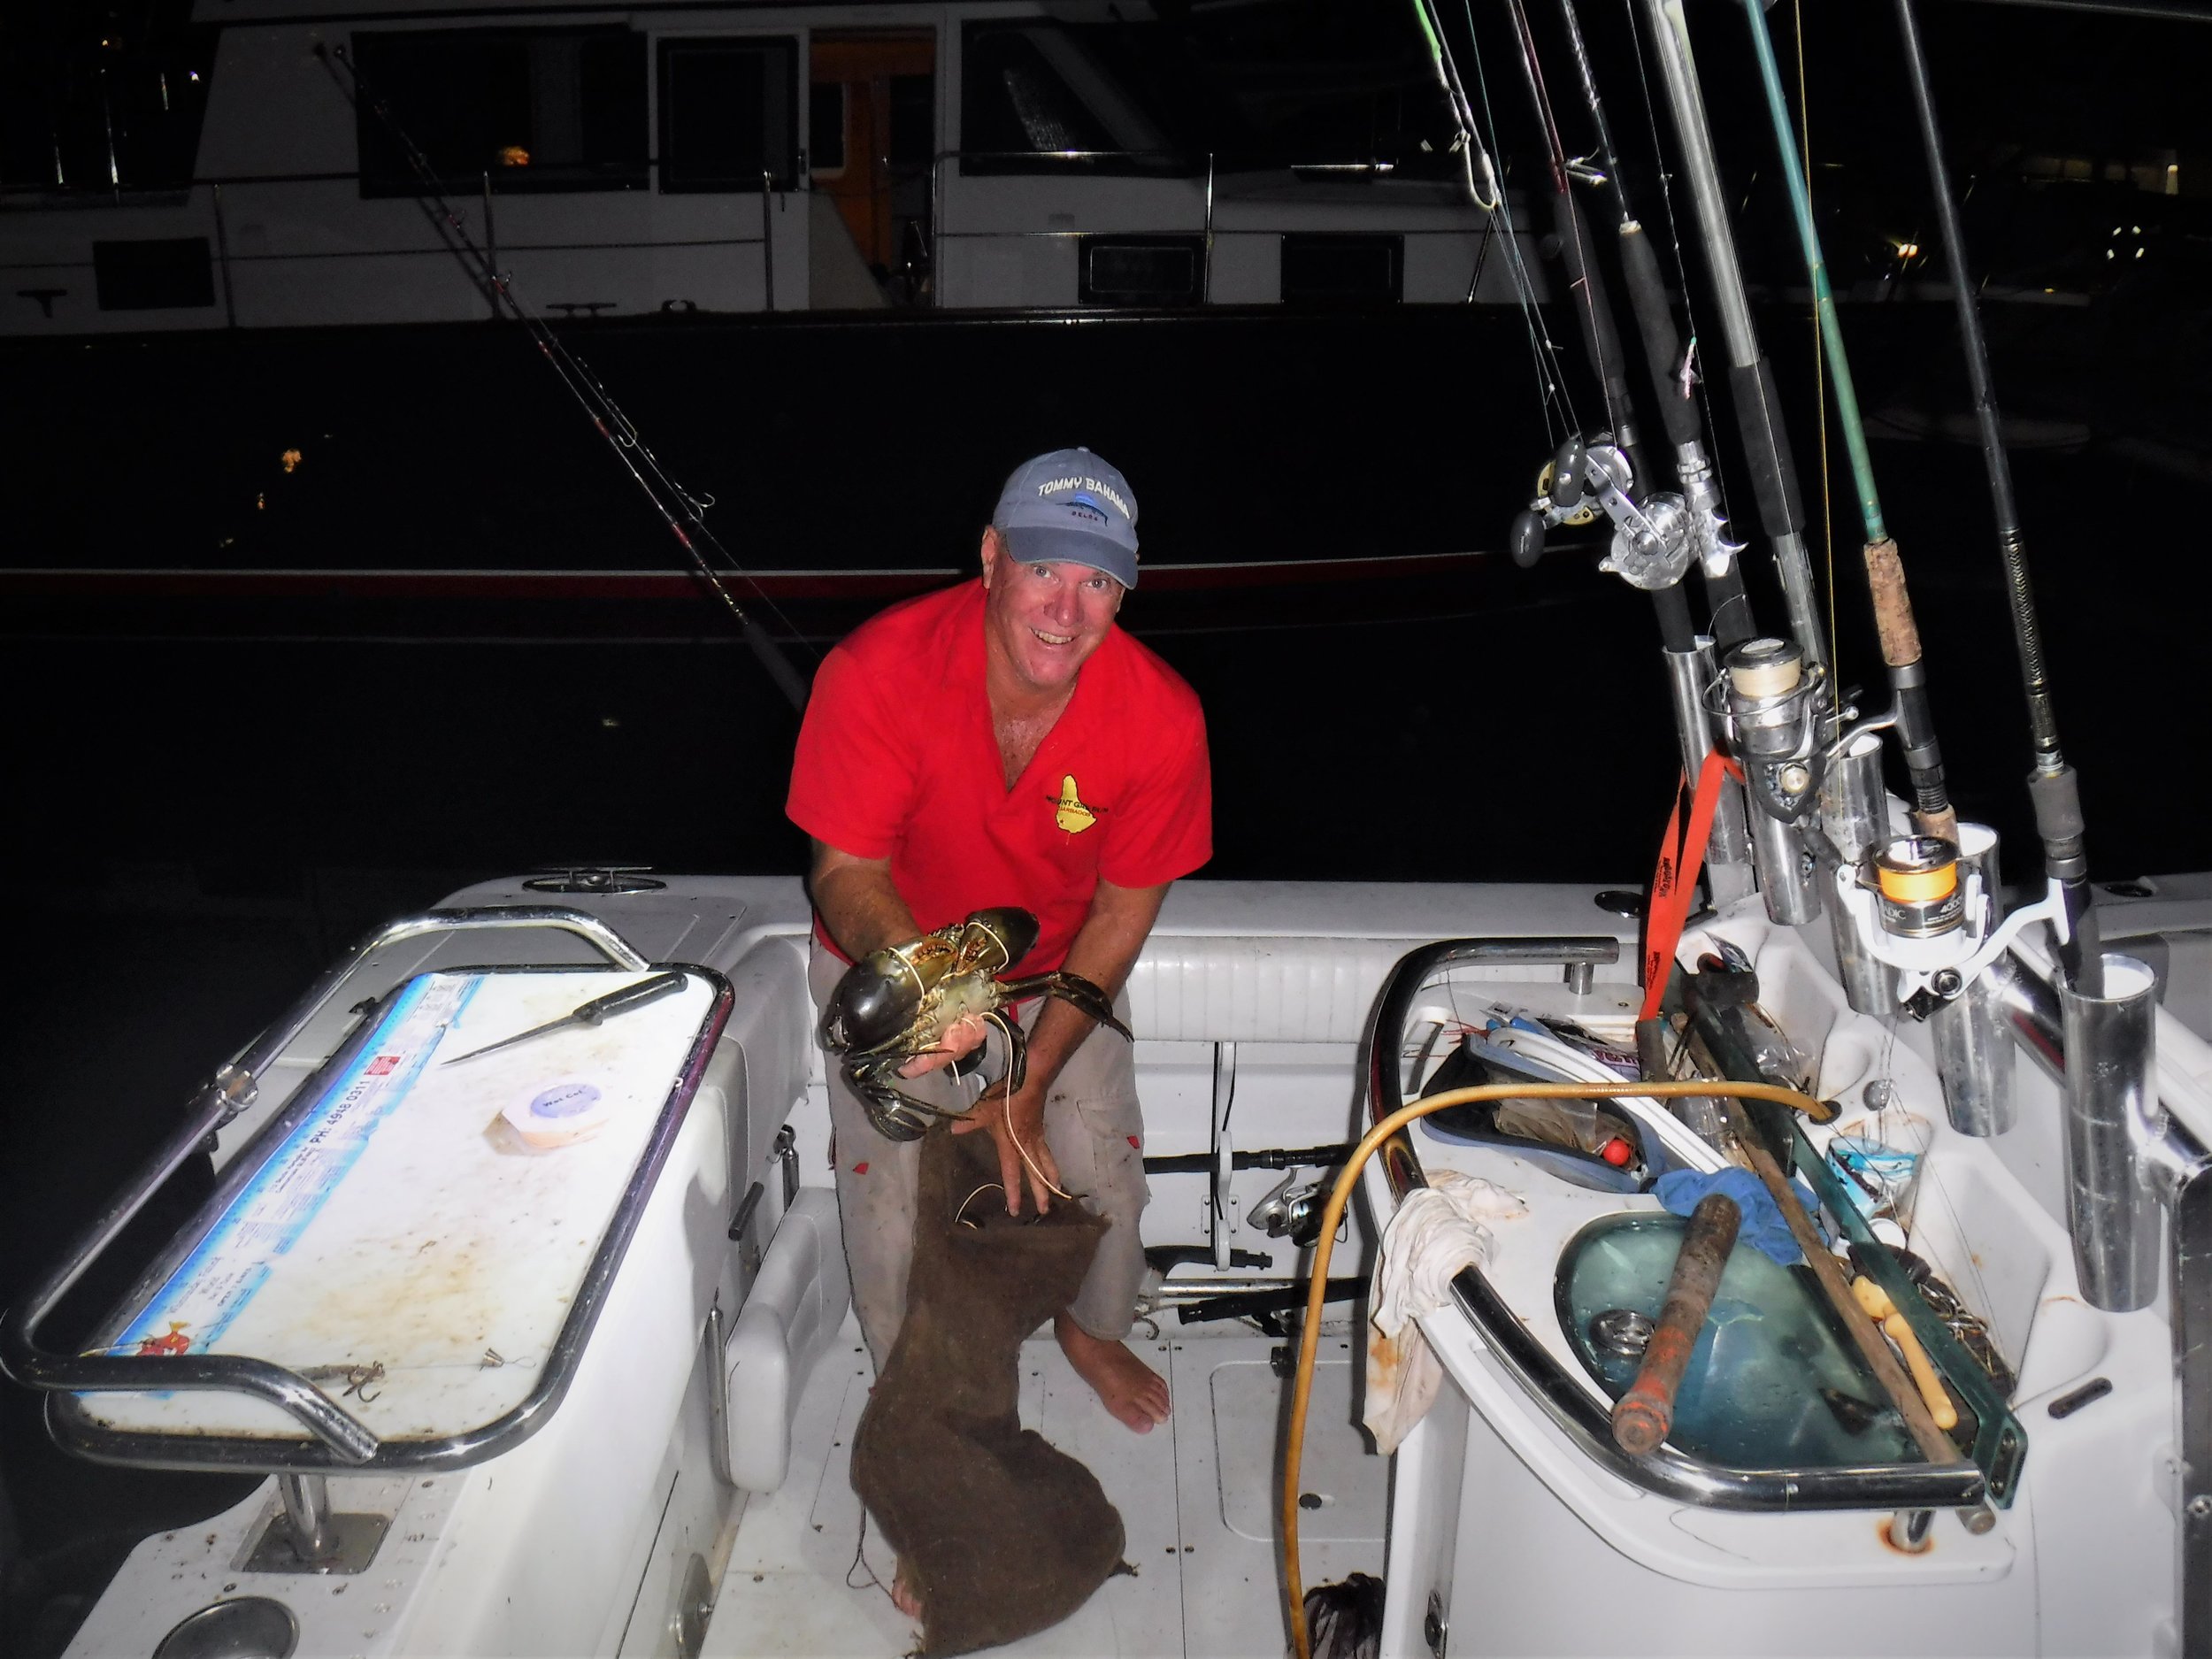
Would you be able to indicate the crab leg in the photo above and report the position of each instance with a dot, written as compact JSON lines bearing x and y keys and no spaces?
{"x":868,"y":1084}
{"x":1084,"y":996}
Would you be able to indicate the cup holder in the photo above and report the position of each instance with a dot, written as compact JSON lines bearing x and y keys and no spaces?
{"x":250,"y":1627}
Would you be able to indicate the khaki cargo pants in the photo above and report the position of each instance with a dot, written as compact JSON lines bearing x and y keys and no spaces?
{"x":1093,"y":1124}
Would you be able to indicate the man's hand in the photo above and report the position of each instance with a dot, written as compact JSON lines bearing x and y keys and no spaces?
{"x":1103,"y":950}
{"x":864,"y":911}
{"x":963,"y":1035}
{"x":1018,"y":1128}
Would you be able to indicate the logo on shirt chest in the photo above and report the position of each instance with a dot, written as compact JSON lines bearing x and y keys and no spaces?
{"x":1069,"y":810}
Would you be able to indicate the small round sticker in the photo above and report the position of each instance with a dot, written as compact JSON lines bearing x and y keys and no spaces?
{"x":564,"y":1100}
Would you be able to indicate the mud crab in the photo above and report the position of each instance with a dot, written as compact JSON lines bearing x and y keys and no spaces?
{"x":898,"y":1002}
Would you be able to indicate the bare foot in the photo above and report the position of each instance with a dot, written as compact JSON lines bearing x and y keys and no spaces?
{"x":1126,"y":1386}
{"x":903,"y":1596}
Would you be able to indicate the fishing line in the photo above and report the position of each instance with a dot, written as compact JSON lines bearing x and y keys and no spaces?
{"x":1576,"y":250}
{"x":1552,"y":380}
{"x":1820,"y":366}
{"x":1674,"y":240}
{"x":1553,"y":400}
{"x":1893,"y":617}
{"x":2052,"y":787}
{"x":598,"y":404}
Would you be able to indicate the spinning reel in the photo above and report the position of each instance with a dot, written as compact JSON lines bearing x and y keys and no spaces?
{"x":1772,"y":703}
{"x":1927,"y":912}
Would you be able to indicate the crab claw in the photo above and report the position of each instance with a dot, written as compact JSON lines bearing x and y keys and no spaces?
{"x":996,"y":939}
{"x":1084,"y":995}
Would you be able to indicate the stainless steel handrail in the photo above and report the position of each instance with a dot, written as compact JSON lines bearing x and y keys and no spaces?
{"x":234,"y":1087}
{"x":2190,"y":1252}
{"x":73,"y":1428}
{"x":1670,"y":1473}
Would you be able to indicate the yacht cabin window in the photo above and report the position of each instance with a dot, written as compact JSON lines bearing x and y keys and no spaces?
{"x":1050,"y":98}
{"x":98,"y":103}
{"x":524,"y":110}
{"x":729,"y":112}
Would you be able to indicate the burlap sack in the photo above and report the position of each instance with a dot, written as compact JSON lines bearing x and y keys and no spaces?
{"x":999,"y":1534}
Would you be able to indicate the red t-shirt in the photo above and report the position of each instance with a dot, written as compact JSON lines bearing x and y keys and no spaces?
{"x":897,"y":759}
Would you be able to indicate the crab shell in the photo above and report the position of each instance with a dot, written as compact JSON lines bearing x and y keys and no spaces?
{"x":876,"y":1004}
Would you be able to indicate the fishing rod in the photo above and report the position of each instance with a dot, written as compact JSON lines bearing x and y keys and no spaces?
{"x":1672,"y":371}
{"x":679,"y":509}
{"x":1600,"y":340}
{"x":1648,"y":549}
{"x":1919,"y":914}
{"x":1750,"y":378}
{"x":1893,"y":622}
{"x":1775,"y":696}
{"x":2053,"y":786}
{"x":1489,"y":197}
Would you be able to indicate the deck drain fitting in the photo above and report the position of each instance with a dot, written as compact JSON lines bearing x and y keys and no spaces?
{"x":1620,"y":1331}
{"x":250,"y":1627}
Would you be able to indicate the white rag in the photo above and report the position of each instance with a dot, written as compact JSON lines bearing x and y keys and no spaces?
{"x":1438,"y":1230}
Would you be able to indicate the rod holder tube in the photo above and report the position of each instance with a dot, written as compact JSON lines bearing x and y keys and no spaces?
{"x":1728,"y":849}
{"x":2191,"y":1315}
{"x":306,"y":1500}
{"x":2112,"y":1120}
{"x":1788,"y":875}
{"x":1973,"y":1031}
{"x":1854,"y":812}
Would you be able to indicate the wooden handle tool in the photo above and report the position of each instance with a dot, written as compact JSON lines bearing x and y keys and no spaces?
{"x":1934,"y":1444}
{"x":1898,"y":1330}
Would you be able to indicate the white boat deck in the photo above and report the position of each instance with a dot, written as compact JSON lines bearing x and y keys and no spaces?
{"x":1197,"y":1498}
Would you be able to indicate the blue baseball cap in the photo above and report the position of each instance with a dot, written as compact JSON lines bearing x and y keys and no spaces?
{"x":1070,"y":507}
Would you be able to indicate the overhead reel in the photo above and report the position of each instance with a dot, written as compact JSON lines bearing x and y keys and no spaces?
{"x":1655,"y":536}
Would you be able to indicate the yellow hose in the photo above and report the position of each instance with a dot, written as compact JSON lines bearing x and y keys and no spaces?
{"x":1333,"y":1216}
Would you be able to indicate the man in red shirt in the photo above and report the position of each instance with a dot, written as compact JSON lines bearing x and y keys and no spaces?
{"x":1002,"y":743}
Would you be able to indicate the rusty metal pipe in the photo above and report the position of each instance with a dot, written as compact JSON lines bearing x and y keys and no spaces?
{"x":1643,"y":1415}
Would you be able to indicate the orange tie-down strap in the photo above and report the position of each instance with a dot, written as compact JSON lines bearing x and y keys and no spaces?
{"x":1674,"y":880}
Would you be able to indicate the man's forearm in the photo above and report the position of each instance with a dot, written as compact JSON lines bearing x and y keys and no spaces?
{"x":858,"y":903}
{"x":1104,"y":950}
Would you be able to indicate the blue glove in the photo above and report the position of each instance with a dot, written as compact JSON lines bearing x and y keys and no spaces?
{"x":1762,"y":1226}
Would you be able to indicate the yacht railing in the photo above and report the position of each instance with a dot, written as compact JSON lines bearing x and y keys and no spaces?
{"x":1668,"y":1472}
